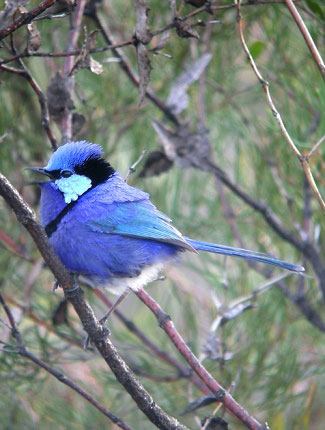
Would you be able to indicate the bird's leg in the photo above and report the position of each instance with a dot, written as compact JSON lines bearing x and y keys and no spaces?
{"x":107,"y":314}
{"x":114,"y":306}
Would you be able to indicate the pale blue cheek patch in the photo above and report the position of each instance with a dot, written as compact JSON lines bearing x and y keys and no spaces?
{"x":73,"y":187}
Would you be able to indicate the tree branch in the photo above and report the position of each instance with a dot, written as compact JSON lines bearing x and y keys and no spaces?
{"x":306,"y":35}
{"x":276,"y":114}
{"x":42,"y":323}
{"x":184,"y":372}
{"x":22,"y":350}
{"x":75,"y":52}
{"x":75,"y":23}
{"x":26,"y":18}
{"x":299,"y":300}
{"x":221,"y":394}
{"x":129,"y":71}
{"x":96,"y":332}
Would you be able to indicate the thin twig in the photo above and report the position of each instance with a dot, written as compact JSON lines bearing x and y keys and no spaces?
{"x":11,"y":69}
{"x":306,"y":167}
{"x":125,"y":65}
{"x":300,"y":301}
{"x":132,"y":169}
{"x":304,"y":307}
{"x":208,"y":6}
{"x":315,"y":147}
{"x":276,"y":114}
{"x":22,"y":350}
{"x":75,"y":52}
{"x":42,"y":323}
{"x":12,"y":247}
{"x":309,"y":40}
{"x":76,"y":18}
{"x":45,"y":117}
{"x":307,"y":248}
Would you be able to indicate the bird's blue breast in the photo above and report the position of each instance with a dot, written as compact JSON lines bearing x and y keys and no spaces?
{"x":85,"y":239}
{"x":52,"y":202}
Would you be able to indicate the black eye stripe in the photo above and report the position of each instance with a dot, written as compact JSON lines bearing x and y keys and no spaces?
{"x":96,"y":169}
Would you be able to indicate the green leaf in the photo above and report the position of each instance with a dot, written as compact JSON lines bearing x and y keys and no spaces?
{"x":257,"y":48}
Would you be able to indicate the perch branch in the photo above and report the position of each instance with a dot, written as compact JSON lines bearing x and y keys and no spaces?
{"x":27,"y":54}
{"x":96,"y":332}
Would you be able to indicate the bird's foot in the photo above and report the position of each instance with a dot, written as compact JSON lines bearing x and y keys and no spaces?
{"x":103,"y":320}
{"x":105,"y":334}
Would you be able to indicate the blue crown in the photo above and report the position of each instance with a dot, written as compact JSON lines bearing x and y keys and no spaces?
{"x":73,"y":154}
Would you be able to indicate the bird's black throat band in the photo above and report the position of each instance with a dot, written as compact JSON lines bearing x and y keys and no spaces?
{"x":52,"y":226}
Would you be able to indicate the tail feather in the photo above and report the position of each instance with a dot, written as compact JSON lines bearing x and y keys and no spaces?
{"x":245,"y":254}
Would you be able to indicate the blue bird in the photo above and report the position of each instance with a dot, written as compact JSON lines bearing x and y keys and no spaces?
{"x":110,"y":232}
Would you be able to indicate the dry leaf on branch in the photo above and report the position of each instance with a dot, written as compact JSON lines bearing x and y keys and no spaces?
{"x":60,"y":315}
{"x":196,"y":3}
{"x":59,"y":98}
{"x":34,"y":38}
{"x":142,"y":32}
{"x":78,"y":121}
{"x":84,"y":59}
{"x":9,"y":9}
{"x":155,"y":164}
{"x":214,"y":349}
{"x":184,"y":30}
{"x":185,"y":147}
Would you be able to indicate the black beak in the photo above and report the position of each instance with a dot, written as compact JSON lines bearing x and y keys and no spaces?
{"x":39,"y":170}
{"x":42,"y":171}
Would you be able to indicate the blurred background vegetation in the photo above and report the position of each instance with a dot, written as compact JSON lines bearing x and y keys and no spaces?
{"x":271,"y":356}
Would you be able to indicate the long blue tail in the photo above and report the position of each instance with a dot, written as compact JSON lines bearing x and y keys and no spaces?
{"x":245,"y":254}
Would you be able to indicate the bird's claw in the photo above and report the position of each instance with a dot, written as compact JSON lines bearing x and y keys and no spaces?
{"x":55,"y":286}
{"x":106,"y":333}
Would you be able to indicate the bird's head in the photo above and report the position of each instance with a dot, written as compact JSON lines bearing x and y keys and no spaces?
{"x":75,"y":167}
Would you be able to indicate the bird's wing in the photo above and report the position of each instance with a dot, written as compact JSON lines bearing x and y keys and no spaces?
{"x":140,"y":220}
